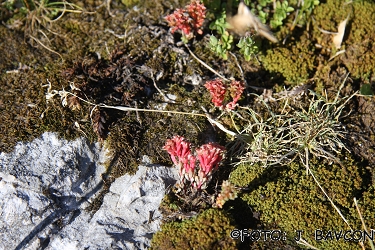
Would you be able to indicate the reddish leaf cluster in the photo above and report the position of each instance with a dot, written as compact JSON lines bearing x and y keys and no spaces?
{"x":218,"y":89}
{"x":209,"y":156}
{"x":179,"y":150}
{"x":188,"y":19}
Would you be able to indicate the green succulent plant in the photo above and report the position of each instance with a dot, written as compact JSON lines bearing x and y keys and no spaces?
{"x":281,"y":12}
{"x":248,"y":48}
{"x":223,"y":44}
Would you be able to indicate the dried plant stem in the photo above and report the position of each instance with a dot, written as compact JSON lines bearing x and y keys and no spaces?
{"x":335,"y":207}
{"x":124,"y":108}
{"x":47,"y":48}
{"x":305,"y":243}
{"x":64,"y":94}
{"x":363,"y":223}
{"x":205,"y":65}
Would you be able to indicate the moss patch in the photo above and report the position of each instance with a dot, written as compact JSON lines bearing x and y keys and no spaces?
{"x":209,"y":230}
{"x":359,"y":50}
{"x":306,"y":52}
{"x":296,"y":62}
{"x":290,"y":200}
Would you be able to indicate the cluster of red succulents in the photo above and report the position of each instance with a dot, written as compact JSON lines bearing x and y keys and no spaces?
{"x":208,"y":155}
{"x":188,"y":19}
{"x":218,"y":89}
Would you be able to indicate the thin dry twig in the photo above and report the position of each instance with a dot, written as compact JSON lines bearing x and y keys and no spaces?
{"x":205,"y":65}
{"x":363,"y":223}
{"x":46,"y":47}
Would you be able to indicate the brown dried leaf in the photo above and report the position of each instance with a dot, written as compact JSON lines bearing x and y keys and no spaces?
{"x":339,"y":36}
{"x":98,"y":121}
{"x":74,"y":103}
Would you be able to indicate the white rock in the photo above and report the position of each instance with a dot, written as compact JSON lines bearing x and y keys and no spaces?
{"x":45,"y":186}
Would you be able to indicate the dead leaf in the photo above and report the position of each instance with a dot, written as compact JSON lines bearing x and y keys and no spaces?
{"x":338,"y":37}
{"x":98,"y":121}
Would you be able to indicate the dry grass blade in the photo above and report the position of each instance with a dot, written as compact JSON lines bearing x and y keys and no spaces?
{"x":287,"y":135}
{"x":363,"y":223}
{"x":41,"y":14}
{"x":46,"y":47}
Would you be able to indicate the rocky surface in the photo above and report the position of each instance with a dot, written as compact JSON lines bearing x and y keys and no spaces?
{"x":45,"y":189}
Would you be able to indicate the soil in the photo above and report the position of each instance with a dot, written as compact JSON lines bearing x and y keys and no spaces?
{"x":116,"y":55}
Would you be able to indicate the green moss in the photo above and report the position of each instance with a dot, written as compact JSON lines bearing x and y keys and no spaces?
{"x":294,"y":62}
{"x":359,"y":55}
{"x":308,"y":51}
{"x":123,"y":140}
{"x":209,"y":230}
{"x":129,"y":3}
{"x":245,"y":174}
{"x":366,"y":205}
{"x":290,"y":200}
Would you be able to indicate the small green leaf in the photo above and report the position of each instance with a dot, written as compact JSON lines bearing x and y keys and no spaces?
{"x":366,"y":90}
{"x":247,"y":51}
{"x":225,"y":38}
{"x":213,"y":41}
{"x":263,"y":3}
{"x":278,"y":5}
{"x":220,"y":29}
{"x":184,"y":39}
{"x":241,"y":43}
{"x":219,"y":49}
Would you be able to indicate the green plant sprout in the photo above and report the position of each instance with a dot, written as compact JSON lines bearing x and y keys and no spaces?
{"x":248,"y":48}
{"x":258,"y":8}
{"x":304,"y":12}
{"x":222,"y":45}
{"x":281,"y":9}
{"x":275,"y":12}
{"x":281,"y":12}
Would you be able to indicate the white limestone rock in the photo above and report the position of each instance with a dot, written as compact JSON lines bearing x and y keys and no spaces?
{"x":46,"y":186}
